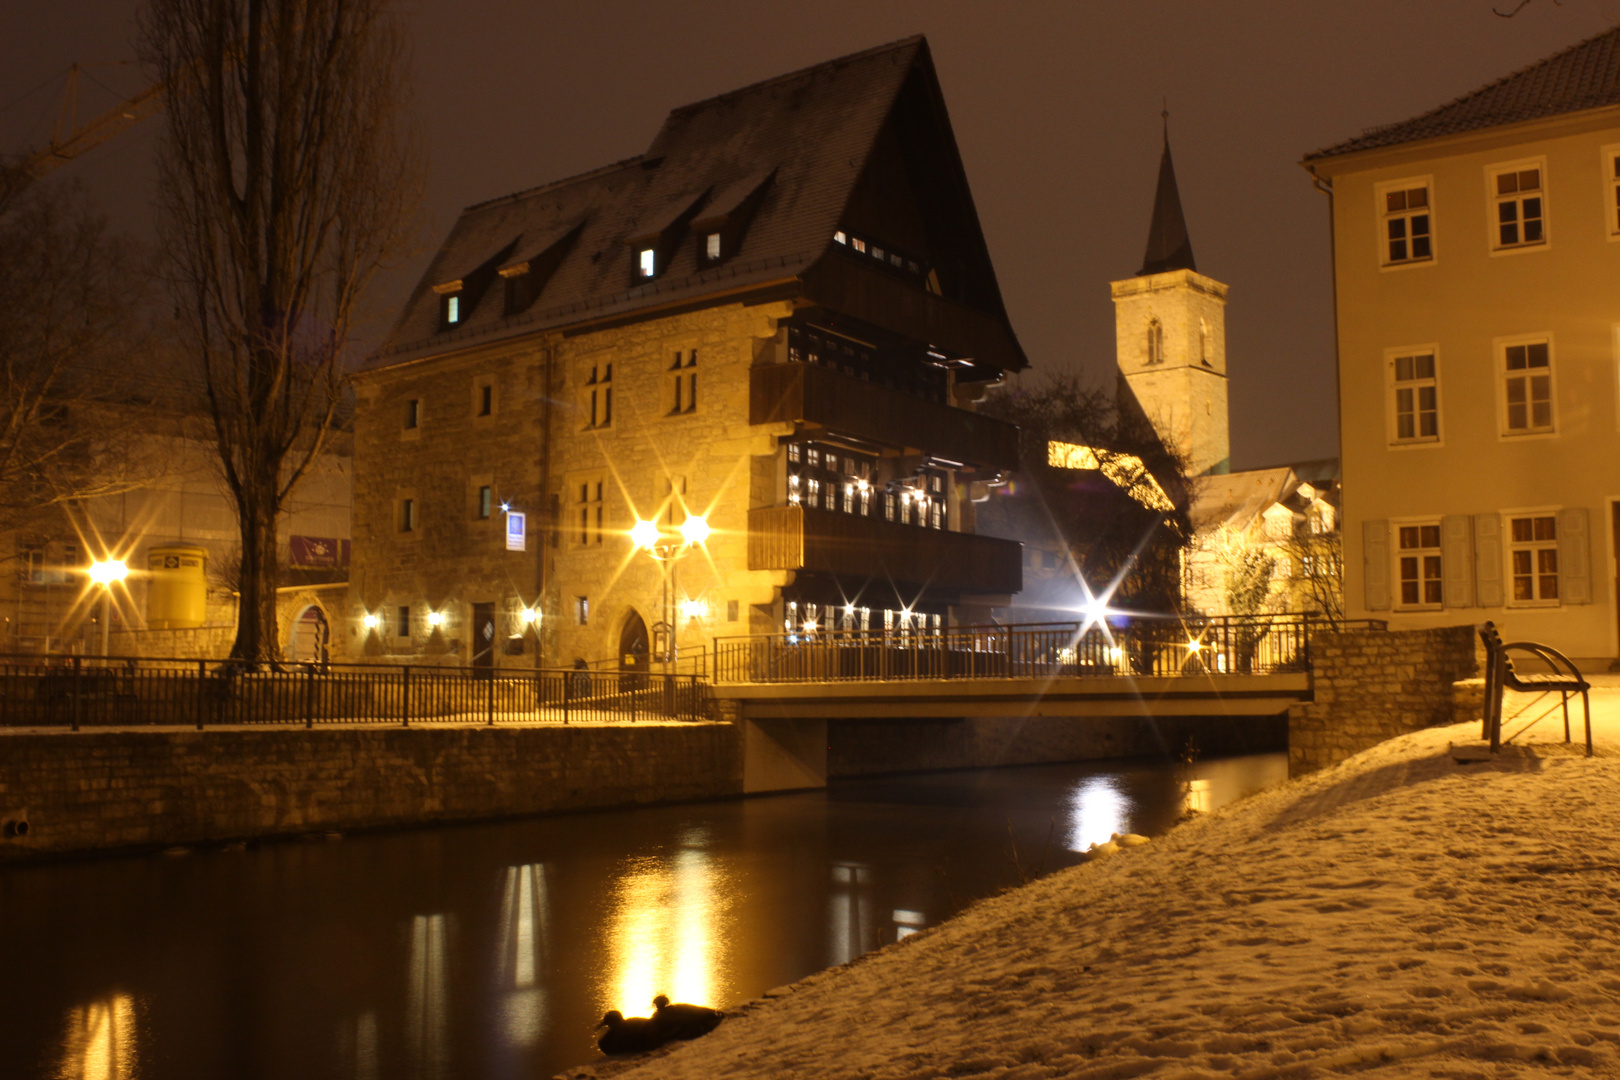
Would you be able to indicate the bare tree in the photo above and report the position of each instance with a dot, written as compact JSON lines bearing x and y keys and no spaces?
{"x":70,"y":325}
{"x":287,"y":177}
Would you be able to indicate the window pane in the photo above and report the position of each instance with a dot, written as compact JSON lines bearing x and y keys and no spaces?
{"x":1521,"y":534}
{"x":1509,"y":235}
{"x":1409,"y":592}
{"x":647,"y":263}
{"x":1424,"y":366}
{"x":1420,"y":247}
{"x":1541,"y":414}
{"x":1420,"y":224}
{"x":1549,"y":587}
{"x":1515,"y":357}
{"x":1547,"y":561}
{"x":1536,"y":354}
{"x":1532,"y":230}
{"x":1417,"y":197}
{"x":1393,"y":201}
{"x":1409,"y":539}
{"x":1431,"y":591}
{"x":1397,"y":250}
{"x":1546,"y":528}
{"x":1431,"y":537}
{"x":1397,"y":228}
{"x":1403,"y":368}
{"x":1507,"y":183}
{"x":1530,"y":180}
{"x":1429,"y":425}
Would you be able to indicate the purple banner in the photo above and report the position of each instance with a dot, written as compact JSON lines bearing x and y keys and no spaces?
{"x":319,"y":551}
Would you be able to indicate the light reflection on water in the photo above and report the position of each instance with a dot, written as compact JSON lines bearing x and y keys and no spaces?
{"x":99,"y":1041}
{"x":667,"y":934}
{"x":491,"y":950}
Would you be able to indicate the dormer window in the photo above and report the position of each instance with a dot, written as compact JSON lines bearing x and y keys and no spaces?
{"x":647,"y":263}
{"x":711,"y":247}
{"x":451,"y":310}
{"x":519,"y":289}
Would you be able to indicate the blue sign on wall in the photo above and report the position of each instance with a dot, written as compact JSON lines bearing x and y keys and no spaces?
{"x":516,"y":533}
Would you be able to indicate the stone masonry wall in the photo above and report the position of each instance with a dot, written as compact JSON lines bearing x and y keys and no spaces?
{"x":115,"y":789}
{"x":1372,"y":685}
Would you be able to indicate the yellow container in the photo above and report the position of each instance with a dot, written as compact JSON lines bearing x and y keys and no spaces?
{"x":177,"y":591}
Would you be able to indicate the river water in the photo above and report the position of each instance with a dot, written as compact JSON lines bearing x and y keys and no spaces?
{"x":490,"y":950}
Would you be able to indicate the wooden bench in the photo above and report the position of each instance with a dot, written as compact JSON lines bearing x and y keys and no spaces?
{"x":1500,"y":676}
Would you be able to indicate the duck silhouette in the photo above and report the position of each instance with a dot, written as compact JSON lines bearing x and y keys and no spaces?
{"x":628,"y":1035}
{"x":682,"y":1021}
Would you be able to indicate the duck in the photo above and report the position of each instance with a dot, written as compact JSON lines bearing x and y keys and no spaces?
{"x":628,"y":1035}
{"x":682,"y":1021}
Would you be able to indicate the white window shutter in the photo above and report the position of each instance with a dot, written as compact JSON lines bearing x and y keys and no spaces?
{"x":1457,"y":559}
{"x":1574,"y":556}
{"x":1488,"y":560}
{"x":1375,"y":564}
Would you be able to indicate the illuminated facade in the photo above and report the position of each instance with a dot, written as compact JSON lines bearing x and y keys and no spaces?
{"x":776,"y":319}
{"x":1476,"y":251}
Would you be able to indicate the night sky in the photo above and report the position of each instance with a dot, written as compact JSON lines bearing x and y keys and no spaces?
{"x":1055,"y":105}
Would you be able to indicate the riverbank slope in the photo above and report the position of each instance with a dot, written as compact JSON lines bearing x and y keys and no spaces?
{"x":1400,"y":914}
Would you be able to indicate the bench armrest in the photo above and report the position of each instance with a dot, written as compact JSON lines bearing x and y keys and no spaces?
{"x":1551,"y":656}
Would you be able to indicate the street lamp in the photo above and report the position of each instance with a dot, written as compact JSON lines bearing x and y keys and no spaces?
{"x":106,"y":573}
{"x":647,"y":536}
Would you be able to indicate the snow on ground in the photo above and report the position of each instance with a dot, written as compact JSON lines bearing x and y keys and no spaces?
{"x":1398,"y":915}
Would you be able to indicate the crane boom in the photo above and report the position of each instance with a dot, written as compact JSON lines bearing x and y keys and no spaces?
{"x":92,"y":133}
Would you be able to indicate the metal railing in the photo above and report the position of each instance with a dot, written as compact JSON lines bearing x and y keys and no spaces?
{"x":1225,"y":645}
{"x":80,"y":691}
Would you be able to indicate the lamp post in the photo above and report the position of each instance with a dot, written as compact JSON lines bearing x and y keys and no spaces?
{"x":104,"y":573}
{"x":669,"y":550}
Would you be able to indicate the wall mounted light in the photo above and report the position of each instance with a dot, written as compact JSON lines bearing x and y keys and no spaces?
{"x":435,"y":618}
{"x":528,"y":616}
{"x":371,"y":622}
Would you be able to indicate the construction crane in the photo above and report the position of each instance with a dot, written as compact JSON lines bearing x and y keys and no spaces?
{"x":70,"y":138}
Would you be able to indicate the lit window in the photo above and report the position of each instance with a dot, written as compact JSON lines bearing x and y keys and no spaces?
{"x":1417,"y":401}
{"x":1407,"y":235}
{"x":452,"y":309}
{"x":857,"y":243}
{"x":1527,"y":387}
{"x":840,"y":237}
{"x":1420,"y":565}
{"x":711,"y":246}
{"x":1534,"y":552}
{"x":582,"y":610}
{"x":485,"y":501}
{"x":1519,"y":209}
{"x":1155,"y":342}
{"x":647,"y":262}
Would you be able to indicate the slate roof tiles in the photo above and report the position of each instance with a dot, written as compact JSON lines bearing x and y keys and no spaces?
{"x":1584,"y":76}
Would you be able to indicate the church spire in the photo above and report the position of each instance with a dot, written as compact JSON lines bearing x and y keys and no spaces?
{"x":1168,"y":247}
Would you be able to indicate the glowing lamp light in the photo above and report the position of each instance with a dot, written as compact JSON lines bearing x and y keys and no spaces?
{"x":809,"y":626}
{"x":506,"y":508}
{"x":435,"y":618}
{"x":645,"y":534}
{"x":1116,"y":654}
{"x":370,"y":621}
{"x":105,"y":573}
{"x":849,"y":609}
{"x":695,"y":529}
{"x":694,"y":609}
{"x":1194,"y":646}
{"x":528,"y":616}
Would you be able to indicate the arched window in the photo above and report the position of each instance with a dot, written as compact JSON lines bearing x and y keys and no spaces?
{"x":1155,"y":342}
{"x":1203,"y":343}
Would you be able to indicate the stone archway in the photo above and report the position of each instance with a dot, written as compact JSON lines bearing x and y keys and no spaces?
{"x":309,"y":636}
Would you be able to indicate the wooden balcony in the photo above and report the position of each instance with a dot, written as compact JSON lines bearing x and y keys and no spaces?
{"x":824,"y":398}
{"x":855,"y":548}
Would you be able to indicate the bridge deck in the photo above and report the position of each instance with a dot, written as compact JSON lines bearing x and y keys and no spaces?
{"x":1092,"y":695}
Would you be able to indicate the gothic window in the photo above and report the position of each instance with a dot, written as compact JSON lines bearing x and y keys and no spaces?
{"x":1155,"y":342}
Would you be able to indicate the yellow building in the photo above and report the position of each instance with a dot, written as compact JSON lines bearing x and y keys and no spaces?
{"x":1476,"y":265}
{"x":722,"y":388}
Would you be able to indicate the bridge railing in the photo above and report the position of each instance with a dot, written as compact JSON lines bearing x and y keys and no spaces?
{"x":76,"y":691}
{"x":1224,"y":645}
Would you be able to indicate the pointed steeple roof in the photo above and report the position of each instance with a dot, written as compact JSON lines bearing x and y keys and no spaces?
{"x":1168,"y":247}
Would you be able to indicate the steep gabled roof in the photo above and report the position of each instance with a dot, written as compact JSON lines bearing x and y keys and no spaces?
{"x":1585,"y":76}
{"x":809,"y":133}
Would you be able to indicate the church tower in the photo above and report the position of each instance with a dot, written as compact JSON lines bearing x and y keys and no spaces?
{"x":1170,"y":337}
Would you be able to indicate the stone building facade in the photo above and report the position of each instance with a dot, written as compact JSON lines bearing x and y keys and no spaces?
{"x":735,"y":333}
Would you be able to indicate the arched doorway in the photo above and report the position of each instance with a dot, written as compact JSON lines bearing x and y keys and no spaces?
{"x":633,"y":648}
{"x":308,"y":642}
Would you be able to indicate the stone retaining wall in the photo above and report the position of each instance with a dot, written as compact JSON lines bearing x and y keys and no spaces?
{"x":1372,"y":685}
{"x":141,"y":788}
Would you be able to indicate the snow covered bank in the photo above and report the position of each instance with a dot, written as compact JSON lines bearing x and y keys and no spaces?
{"x":1399,"y":914}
